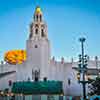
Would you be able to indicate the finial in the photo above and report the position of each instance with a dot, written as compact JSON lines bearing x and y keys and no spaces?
{"x":38,"y":10}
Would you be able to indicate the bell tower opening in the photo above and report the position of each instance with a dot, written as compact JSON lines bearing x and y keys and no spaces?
{"x":36,"y":31}
{"x":42,"y":33}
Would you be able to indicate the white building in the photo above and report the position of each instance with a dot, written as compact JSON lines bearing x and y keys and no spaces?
{"x":39,"y":60}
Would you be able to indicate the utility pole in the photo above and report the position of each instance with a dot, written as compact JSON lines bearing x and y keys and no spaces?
{"x":83,"y":67}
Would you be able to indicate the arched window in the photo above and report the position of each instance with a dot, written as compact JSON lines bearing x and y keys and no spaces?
{"x":35,"y":74}
{"x":36,"y":31}
{"x":42,"y":33}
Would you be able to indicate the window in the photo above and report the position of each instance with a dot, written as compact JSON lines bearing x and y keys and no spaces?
{"x":69,"y":81}
{"x":45,"y":79}
{"x":37,"y":17}
{"x":36,"y":74}
{"x":36,"y":31}
{"x":42,"y":33}
{"x":36,"y":46}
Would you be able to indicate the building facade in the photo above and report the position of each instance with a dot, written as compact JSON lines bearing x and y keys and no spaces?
{"x":39,"y":63}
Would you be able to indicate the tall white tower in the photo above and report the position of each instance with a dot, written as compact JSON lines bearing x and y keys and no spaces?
{"x":37,"y":47}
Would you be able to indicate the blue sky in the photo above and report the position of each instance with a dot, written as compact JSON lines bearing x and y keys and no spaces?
{"x":67,"y":21}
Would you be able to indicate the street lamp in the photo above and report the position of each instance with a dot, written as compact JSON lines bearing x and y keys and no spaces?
{"x":82,"y":67}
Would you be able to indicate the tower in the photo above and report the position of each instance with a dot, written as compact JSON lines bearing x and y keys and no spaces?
{"x":38,"y":47}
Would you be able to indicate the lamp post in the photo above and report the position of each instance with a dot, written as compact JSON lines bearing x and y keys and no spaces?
{"x":82,"y":67}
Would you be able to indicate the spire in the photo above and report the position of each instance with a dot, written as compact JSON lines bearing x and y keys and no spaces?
{"x":38,"y":28}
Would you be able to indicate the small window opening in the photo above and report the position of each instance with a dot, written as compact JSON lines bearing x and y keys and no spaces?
{"x":36,"y":31}
{"x":36,"y":46}
{"x":69,"y":81}
{"x":42,"y":33}
{"x":37,"y":17}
